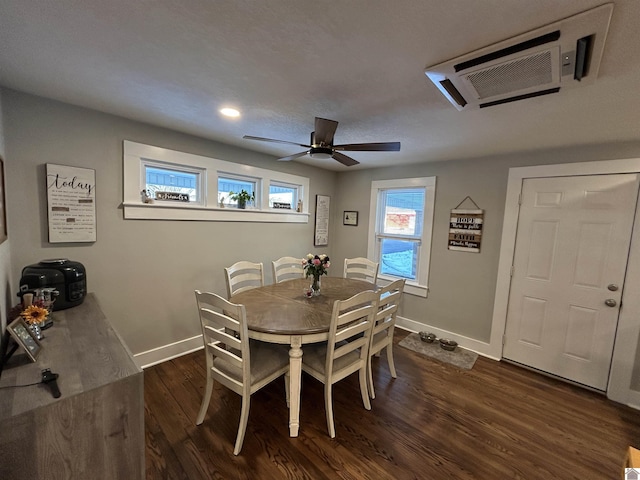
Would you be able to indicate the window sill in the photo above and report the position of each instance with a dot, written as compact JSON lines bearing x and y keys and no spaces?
{"x":411,"y":288}
{"x":156,"y":211}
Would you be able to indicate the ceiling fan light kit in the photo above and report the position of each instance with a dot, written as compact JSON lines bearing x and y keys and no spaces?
{"x":322,"y":147}
{"x":322,"y":153}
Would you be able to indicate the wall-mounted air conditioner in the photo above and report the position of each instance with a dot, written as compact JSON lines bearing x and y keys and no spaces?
{"x":564,"y":54}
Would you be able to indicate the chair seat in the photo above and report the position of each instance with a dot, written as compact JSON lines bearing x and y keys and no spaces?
{"x":314,"y":356}
{"x":265,"y":359}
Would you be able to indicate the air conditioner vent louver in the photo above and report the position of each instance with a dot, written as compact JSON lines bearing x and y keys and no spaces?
{"x":529,"y":65}
{"x":512,"y":76}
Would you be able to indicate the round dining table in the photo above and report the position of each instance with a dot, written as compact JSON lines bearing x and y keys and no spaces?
{"x":283,"y":313}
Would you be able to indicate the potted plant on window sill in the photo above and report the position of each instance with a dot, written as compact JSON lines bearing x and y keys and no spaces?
{"x":242,"y":197}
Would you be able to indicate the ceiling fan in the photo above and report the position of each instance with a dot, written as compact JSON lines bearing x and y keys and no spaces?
{"x":321,"y":145}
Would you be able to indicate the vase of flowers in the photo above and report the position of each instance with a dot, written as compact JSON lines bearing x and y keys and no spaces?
{"x":315,"y":266}
{"x":35,"y":316}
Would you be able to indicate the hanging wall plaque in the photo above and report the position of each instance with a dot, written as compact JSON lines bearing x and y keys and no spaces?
{"x":465,"y":228}
{"x":321,"y":235}
{"x":71,"y":204}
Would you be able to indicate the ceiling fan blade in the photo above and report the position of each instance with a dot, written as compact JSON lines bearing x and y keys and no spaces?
{"x":262,"y":139}
{"x":370,"y":147}
{"x":325,"y":130}
{"x":293,"y":157}
{"x":343,"y":159}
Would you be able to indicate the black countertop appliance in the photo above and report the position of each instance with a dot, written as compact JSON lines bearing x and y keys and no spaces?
{"x":69,"y":278}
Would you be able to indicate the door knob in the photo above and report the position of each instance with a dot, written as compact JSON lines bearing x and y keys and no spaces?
{"x":613,"y":287}
{"x":610,"y":302}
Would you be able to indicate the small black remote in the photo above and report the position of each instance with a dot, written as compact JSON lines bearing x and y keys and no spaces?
{"x":50,"y":379}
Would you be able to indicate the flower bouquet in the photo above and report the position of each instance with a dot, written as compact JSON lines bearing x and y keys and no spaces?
{"x":35,"y":315}
{"x":316,"y":266}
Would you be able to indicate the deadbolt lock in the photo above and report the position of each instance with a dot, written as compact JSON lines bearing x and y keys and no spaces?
{"x":613,"y":287}
{"x":610,"y":302}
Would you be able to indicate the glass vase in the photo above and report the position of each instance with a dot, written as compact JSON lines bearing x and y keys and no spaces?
{"x":315,"y":286}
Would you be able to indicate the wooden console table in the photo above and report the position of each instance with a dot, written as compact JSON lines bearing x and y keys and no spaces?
{"x":96,"y":428}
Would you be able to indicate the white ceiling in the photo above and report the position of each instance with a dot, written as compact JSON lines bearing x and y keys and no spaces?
{"x":174,"y":63}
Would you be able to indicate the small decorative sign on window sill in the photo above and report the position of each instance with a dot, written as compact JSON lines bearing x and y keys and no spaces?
{"x":172,"y":196}
{"x":286,"y":206}
{"x":465,"y":228}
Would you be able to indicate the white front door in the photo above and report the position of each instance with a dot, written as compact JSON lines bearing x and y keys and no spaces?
{"x":569,"y":265}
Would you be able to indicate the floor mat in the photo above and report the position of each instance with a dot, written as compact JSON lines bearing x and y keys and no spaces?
{"x":460,"y":357}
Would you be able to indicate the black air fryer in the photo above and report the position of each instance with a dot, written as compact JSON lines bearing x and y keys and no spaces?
{"x":66,"y":276}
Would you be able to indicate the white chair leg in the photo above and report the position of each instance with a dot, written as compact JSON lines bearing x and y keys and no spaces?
{"x":328,"y":406}
{"x":205,"y":400}
{"x":362,"y":375}
{"x":287,"y":383}
{"x":372,"y":392}
{"x":244,"y":417}
{"x":392,"y":366}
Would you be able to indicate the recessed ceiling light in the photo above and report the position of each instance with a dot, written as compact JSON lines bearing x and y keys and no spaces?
{"x":230,"y":112}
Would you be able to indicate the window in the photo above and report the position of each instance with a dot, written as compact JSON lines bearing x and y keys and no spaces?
{"x":283,"y":194}
{"x":162,"y":179}
{"x":184,"y":186}
{"x":228,"y":185}
{"x":400,"y":225}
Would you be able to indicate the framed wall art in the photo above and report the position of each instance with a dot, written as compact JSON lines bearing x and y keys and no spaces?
{"x":321,"y":233}
{"x":71,"y":203}
{"x":465,"y":228}
{"x":350,"y":217}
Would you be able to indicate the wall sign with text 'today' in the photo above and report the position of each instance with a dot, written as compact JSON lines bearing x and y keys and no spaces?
{"x":71,"y":203}
{"x":465,"y":230}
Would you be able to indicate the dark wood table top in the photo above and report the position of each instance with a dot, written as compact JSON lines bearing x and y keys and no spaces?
{"x":283,"y":309}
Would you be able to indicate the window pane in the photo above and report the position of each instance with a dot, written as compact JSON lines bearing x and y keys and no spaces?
{"x":282,"y":194}
{"x":169,"y":180}
{"x":403,"y":212}
{"x":228,"y":185}
{"x":399,"y":258}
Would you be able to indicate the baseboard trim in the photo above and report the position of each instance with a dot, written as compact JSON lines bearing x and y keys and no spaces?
{"x":168,"y":352}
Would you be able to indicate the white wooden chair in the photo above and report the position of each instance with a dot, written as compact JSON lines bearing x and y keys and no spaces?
{"x":287,"y":268}
{"x":361,"y":268}
{"x":242,"y":366}
{"x":243,"y":276}
{"x":346,"y":350}
{"x":382,"y":330}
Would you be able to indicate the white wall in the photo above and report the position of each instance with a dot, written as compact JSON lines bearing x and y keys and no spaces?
{"x":143,"y":272}
{"x":7,"y":294}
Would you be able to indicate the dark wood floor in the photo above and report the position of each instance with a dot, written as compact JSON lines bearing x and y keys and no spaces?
{"x":496,"y":421}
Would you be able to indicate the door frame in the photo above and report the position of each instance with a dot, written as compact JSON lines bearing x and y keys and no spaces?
{"x":622,"y":387}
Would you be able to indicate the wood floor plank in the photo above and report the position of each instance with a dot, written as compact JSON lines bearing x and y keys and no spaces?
{"x":432,"y":422}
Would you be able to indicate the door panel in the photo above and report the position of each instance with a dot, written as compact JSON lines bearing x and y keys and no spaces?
{"x":572,"y":241}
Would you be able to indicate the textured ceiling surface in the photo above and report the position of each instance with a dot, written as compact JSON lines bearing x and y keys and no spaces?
{"x":175,"y":63}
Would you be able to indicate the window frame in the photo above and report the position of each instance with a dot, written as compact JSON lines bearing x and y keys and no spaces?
{"x":420,"y":286}
{"x":136,"y":154}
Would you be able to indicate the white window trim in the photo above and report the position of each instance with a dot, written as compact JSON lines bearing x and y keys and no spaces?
{"x":134,"y":154}
{"x":419,"y":287}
